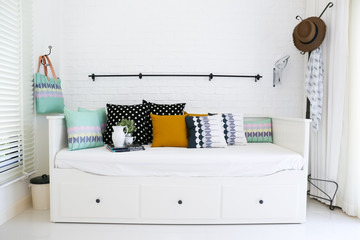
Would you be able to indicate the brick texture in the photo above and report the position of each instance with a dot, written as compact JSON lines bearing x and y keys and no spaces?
{"x":180,"y":36}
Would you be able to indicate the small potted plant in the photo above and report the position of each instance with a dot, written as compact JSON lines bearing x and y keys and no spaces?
{"x":129,"y":124}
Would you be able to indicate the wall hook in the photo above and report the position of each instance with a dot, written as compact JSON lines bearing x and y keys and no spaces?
{"x":329,"y":5}
{"x":277,"y":70}
{"x":50,"y":47}
{"x":298,"y":18}
{"x":257,"y":77}
{"x":211,"y":76}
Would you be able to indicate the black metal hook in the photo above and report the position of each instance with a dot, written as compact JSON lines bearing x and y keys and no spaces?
{"x":211,"y":76}
{"x":329,"y":5}
{"x":257,"y":77}
{"x":298,"y":18}
{"x":50,"y":47}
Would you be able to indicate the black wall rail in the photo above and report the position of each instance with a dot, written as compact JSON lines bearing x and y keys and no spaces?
{"x":210,"y":76}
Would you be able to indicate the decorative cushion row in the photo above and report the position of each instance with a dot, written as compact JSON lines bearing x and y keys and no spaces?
{"x":171,"y":128}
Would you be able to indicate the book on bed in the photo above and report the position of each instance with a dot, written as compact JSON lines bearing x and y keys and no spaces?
{"x":129,"y":148}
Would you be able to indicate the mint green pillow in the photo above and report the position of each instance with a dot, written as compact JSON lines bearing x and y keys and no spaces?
{"x":101,"y":115}
{"x":258,"y":130}
{"x":83,"y":129}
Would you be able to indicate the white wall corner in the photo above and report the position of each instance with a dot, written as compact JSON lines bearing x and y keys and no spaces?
{"x":15,"y":209}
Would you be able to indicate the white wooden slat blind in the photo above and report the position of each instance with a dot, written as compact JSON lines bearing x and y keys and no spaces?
{"x":17,"y":157}
{"x":27,"y":87}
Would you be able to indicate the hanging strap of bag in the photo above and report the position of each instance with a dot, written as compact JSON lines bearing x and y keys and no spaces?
{"x":42,"y":60}
{"x":45,"y":59}
{"x":51,"y":67}
{"x":45,"y":67}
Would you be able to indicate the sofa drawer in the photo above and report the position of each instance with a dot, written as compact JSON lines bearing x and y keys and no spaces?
{"x":266,"y":201}
{"x":107,"y":200}
{"x":180,"y":202}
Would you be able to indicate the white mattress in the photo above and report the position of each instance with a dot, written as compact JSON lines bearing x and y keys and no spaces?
{"x":256,"y":159}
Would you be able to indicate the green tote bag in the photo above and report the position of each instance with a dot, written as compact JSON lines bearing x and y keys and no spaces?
{"x":48,"y":93}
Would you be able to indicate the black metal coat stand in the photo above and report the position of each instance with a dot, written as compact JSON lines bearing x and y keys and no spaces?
{"x":311,"y":180}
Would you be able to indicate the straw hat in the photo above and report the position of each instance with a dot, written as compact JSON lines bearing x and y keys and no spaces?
{"x":309,"y":34}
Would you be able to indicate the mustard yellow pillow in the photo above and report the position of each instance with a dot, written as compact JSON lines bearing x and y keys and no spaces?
{"x":195,"y":114}
{"x":169,"y":131}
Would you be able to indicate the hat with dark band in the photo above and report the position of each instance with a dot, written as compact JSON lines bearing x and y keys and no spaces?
{"x":309,"y":34}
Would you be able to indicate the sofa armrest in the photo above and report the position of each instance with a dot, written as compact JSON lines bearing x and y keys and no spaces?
{"x":293,"y":134}
{"x":57,"y":137}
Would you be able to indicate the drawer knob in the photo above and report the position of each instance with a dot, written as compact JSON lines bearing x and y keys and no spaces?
{"x":179,"y":202}
{"x":97,"y":200}
{"x":261,"y":201}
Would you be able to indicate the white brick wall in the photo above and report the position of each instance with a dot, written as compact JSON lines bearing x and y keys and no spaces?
{"x":181,"y":36}
{"x":177,"y":36}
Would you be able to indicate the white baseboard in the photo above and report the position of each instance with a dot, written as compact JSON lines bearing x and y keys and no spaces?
{"x":15,"y":209}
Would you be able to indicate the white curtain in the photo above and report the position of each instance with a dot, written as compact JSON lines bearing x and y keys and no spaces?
{"x":349,"y":164}
{"x":335,"y":149}
{"x":325,"y":144}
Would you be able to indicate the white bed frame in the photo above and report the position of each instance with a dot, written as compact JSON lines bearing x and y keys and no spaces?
{"x":77,"y":196}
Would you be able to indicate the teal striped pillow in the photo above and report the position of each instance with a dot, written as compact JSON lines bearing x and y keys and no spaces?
{"x":101,"y":115}
{"x":83,"y":129}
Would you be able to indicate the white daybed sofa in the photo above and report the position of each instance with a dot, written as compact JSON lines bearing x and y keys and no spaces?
{"x":78,"y":196}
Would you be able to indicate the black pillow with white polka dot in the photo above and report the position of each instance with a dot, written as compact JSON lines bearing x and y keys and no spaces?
{"x":137,"y":113}
{"x":161,"y":109}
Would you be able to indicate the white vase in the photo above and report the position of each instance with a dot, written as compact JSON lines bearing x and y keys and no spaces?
{"x":118,"y":136}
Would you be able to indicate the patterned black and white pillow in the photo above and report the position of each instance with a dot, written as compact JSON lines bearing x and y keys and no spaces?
{"x":161,"y":109}
{"x":205,"y":132}
{"x":233,"y":125}
{"x":137,"y":113}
